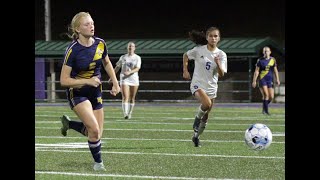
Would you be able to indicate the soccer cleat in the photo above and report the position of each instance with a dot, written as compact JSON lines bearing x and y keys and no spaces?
{"x":196,"y":141}
{"x":129,"y":116}
{"x":266,"y":113}
{"x":196,"y":124}
{"x":126,"y":117}
{"x":99,"y":166}
{"x":65,"y":124}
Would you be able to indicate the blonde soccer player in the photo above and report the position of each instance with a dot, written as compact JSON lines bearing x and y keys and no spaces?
{"x":130,"y":65}
{"x":84,"y":58}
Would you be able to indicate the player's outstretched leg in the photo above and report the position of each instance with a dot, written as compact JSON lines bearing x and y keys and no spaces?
{"x":196,"y":140}
{"x":65,"y":124}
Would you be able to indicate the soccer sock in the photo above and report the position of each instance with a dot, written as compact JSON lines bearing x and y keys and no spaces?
{"x":265,"y":105}
{"x":79,"y":127}
{"x":203,"y":124}
{"x":268,"y":101}
{"x":125,"y":108}
{"x":200,"y":113}
{"x":95,"y":148}
{"x":202,"y":127}
{"x":131,"y":108}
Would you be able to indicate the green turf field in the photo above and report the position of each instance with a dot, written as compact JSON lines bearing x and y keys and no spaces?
{"x":156,"y":144}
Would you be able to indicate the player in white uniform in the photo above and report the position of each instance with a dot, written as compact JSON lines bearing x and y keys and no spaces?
{"x":210,"y":63}
{"x":130,"y":64}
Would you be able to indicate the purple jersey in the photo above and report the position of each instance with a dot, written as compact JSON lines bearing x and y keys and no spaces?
{"x":86,"y":62}
{"x":266,"y":68}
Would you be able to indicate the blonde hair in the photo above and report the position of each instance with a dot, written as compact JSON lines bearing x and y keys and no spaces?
{"x":75,"y":23}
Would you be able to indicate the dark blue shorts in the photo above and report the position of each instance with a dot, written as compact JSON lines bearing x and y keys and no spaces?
{"x":93,"y":94}
{"x":269,"y":84}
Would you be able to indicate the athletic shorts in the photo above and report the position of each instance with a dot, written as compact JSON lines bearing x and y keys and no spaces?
{"x":78,"y":95}
{"x":210,"y":91}
{"x":269,"y":84}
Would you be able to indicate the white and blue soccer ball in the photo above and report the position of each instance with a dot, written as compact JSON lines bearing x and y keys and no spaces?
{"x":258,"y":136}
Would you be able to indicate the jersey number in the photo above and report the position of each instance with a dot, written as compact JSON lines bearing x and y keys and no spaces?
{"x":208,"y":65}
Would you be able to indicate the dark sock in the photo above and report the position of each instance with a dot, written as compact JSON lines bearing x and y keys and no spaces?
{"x":95,"y":148}
{"x":265,"y":105}
{"x":268,"y":101}
{"x":79,"y":127}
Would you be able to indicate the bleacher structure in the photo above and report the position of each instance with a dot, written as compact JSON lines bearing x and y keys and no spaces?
{"x":161,"y":69}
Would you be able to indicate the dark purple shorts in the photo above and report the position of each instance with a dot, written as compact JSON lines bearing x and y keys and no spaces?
{"x":269,"y":84}
{"x":93,"y":94}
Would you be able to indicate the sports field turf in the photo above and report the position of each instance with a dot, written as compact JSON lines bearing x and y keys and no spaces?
{"x":156,"y":144}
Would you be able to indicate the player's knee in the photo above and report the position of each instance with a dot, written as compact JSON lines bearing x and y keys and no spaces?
{"x":94,"y":132}
{"x":206,"y":105}
{"x":271,"y":98}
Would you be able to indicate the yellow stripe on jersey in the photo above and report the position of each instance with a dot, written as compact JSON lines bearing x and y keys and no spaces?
{"x":99,"y":51}
{"x":67,"y":56}
{"x":271,"y":63}
{"x":85,"y":74}
{"x":265,"y":72}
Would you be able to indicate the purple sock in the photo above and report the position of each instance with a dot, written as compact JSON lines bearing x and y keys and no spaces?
{"x":95,"y":148}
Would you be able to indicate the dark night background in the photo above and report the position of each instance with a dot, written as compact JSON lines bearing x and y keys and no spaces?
{"x":167,"y":19}
{"x":173,"y":19}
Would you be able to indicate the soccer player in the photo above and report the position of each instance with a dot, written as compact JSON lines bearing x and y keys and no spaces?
{"x":210,"y":63}
{"x":80,"y":73}
{"x":129,"y":64}
{"x":266,"y":66}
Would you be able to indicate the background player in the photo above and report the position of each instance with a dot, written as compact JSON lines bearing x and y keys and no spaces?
{"x":129,"y":64}
{"x":266,"y":66}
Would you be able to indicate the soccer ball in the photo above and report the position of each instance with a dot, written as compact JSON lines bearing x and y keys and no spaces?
{"x":258,"y":136}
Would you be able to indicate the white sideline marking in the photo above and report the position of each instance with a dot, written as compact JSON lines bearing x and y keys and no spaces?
{"x":121,"y":175}
{"x":273,"y":117}
{"x":164,"y":130}
{"x":140,"y":139}
{"x":165,"y":154}
{"x":161,"y":123}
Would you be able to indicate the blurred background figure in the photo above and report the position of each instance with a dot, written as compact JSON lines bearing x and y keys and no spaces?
{"x":129,"y":64}
{"x":266,"y":67}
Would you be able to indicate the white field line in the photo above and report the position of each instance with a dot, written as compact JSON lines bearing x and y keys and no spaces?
{"x":154,"y":112}
{"x":161,"y":123}
{"x":163,"y":130}
{"x":159,"y":117}
{"x":161,"y":154}
{"x":143,"y":139}
{"x":123,"y":175}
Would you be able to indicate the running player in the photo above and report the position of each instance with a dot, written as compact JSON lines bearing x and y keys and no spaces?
{"x":209,"y":63}
{"x":81,"y":74}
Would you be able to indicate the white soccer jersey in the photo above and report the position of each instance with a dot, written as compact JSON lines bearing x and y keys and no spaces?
{"x":205,"y":75}
{"x":127,"y":63}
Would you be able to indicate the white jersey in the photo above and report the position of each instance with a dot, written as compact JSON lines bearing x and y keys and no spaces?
{"x":127,"y":63}
{"x":205,"y":75}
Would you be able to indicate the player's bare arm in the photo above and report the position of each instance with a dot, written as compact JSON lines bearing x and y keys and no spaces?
{"x":186,"y":74}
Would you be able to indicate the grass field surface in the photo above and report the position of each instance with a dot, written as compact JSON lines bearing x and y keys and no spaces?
{"x":156,"y":144}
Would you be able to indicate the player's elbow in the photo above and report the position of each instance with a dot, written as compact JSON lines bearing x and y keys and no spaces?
{"x":63,"y":82}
